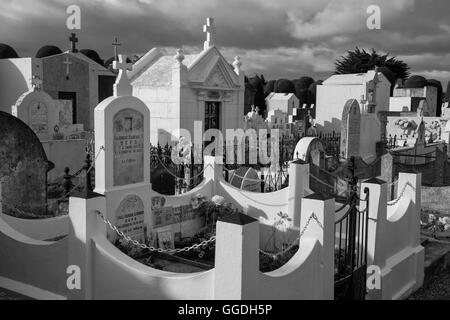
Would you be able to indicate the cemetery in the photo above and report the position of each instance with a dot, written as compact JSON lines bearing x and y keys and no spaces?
{"x":115,"y":180}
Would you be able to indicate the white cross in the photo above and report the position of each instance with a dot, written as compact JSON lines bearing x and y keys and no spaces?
{"x":210,"y":29}
{"x":122,"y":64}
{"x":68,"y":64}
{"x":122,"y":87}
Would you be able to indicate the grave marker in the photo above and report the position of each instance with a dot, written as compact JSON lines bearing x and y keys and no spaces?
{"x":38,"y":110}
{"x":122,"y":168}
{"x":350,"y":129}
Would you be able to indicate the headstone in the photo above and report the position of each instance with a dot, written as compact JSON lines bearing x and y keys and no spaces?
{"x":130,"y":217}
{"x":122,"y":166}
{"x":350,"y":129}
{"x":38,"y":110}
{"x":128,"y":147}
{"x":23,"y":168}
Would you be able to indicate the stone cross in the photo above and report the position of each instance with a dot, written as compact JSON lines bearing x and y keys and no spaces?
{"x":116,"y":44}
{"x":68,"y":64}
{"x":210,"y":29}
{"x":73,"y":39}
{"x":36,"y":83}
{"x":122,"y":87}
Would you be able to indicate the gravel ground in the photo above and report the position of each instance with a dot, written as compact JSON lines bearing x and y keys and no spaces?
{"x":8,"y":295}
{"x":437,"y":289}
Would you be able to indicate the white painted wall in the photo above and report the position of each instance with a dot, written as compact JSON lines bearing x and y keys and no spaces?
{"x":15,"y":79}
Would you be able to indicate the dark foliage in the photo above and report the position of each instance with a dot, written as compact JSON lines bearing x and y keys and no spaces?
{"x":361,"y":61}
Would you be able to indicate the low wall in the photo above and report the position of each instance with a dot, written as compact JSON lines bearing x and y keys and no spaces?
{"x":40,"y":229}
{"x":34,"y":268}
{"x":117,"y":276}
{"x":394,"y":237}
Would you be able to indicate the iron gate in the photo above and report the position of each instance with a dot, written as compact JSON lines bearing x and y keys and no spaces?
{"x":351,"y":245}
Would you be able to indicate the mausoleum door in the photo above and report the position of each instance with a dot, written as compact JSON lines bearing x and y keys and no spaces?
{"x":72,"y":96}
{"x":212,"y":115}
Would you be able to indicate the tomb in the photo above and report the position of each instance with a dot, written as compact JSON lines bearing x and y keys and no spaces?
{"x":414,"y":94}
{"x":371,"y":90}
{"x":23,"y":168}
{"x":182,"y":88}
{"x":69,"y":75}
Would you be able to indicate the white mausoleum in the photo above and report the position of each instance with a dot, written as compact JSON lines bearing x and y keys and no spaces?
{"x":285,"y":102}
{"x":180,"y":89}
{"x":371,"y":90}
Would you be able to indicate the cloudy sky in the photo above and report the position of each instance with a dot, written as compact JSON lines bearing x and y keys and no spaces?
{"x":281,"y":39}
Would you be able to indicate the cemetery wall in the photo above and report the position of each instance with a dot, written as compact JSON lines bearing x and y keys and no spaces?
{"x":64,"y":153}
{"x":394,"y":237}
{"x":118,"y":276}
{"x":15,"y":75}
{"x":179,"y":214}
{"x":39,"y":229}
{"x":32,"y":267}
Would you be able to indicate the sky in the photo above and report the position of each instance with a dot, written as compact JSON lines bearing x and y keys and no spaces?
{"x":279,"y":39}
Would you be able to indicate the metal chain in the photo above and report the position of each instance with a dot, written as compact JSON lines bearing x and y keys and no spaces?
{"x":180,"y":178}
{"x":197,"y":247}
{"x":294,"y":243}
{"x":394,"y":202}
{"x":322,"y":182}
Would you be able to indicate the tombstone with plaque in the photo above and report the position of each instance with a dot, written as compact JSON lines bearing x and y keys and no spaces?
{"x":122,"y":147}
{"x":38,"y":110}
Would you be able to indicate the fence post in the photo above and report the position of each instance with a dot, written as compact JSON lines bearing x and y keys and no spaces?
{"x":237,"y":258}
{"x":298,"y":183}
{"x":318,"y":210}
{"x":83,"y":226}
{"x":67,"y":184}
{"x":376,"y":241}
{"x":87,"y":168}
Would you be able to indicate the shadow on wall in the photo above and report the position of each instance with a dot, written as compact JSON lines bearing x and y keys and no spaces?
{"x":13,"y":85}
{"x":329,"y":127}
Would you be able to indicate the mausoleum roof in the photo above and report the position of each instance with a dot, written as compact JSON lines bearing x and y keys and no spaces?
{"x":7,"y":52}
{"x":47,"y":51}
{"x":154,"y":68}
{"x":280,"y":96}
{"x":416,"y":82}
{"x":351,"y":79}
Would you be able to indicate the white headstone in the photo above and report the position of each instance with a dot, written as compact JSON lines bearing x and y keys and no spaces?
{"x":122,"y":166}
{"x":38,"y":110}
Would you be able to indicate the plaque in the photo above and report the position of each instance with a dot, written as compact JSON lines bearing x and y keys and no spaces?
{"x":128,"y":147}
{"x":130,"y":217}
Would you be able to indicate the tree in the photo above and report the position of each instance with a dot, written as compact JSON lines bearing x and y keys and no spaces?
{"x":361,"y":61}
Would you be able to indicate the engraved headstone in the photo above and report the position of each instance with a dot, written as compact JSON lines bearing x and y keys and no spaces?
{"x":128,"y":147}
{"x":130,"y":217}
{"x":38,"y":110}
{"x":350,"y":129}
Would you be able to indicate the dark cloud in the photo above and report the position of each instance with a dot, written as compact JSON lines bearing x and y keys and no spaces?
{"x":287,"y":38}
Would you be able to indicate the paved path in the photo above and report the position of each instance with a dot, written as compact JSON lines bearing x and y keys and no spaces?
{"x":8,"y":295}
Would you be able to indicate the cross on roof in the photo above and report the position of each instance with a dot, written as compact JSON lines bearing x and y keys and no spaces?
{"x":73,"y":39}
{"x":116,"y":44}
{"x":210,"y":29}
{"x":36,"y":83}
{"x":68,"y":63}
